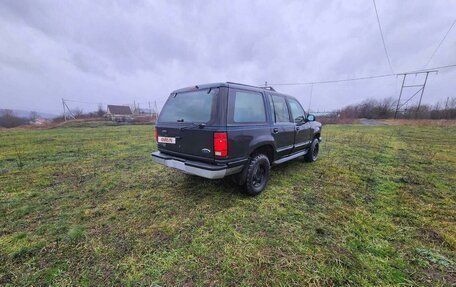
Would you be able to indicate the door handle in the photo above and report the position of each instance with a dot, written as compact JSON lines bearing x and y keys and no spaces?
{"x":275,"y":130}
{"x":297,"y":128}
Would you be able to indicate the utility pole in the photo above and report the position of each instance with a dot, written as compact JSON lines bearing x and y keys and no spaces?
{"x":63,"y":105}
{"x":447,"y":114}
{"x":310,"y":99}
{"x":70,"y":113}
{"x":421,"y":96}
{"x":421,"y":89}
{"x":400,"y":95}
{"x":150,"y":111}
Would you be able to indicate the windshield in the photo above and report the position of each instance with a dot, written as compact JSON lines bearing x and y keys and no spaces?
{"x":190,"y":107}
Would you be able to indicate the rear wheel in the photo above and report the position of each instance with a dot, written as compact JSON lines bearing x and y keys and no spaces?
{"x":312,"y":154}
{"x":257,"y":176}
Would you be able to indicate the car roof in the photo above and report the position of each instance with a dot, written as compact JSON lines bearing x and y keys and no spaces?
{"x":230,"y":85}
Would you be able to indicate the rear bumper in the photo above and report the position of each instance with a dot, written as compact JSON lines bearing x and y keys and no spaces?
{"x":193,"y":167}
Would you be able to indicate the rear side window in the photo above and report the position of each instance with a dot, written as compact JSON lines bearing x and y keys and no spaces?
{"x":281,"y":114}
{"x":248,"y":107}
{"x":195,"y":106}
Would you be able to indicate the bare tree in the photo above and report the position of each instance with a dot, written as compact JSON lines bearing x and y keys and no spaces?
{"x":9,"y":120}
{"x":100,"y":112}
{"x":77,"y":113}
{"x":33,"y":115}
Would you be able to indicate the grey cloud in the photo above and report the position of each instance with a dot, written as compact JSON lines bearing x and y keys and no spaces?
{"x":120,"y":51}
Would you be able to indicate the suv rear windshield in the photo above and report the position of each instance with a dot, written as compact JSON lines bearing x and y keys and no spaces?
{"x":190,"y":107}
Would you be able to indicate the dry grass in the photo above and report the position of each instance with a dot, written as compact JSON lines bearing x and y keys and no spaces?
{"x":437,"y":123}
{"x":335,"y":120}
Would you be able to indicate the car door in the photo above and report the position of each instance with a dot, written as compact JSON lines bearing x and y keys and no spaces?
{"x":283,"y":129}
{"x":303,"y":130}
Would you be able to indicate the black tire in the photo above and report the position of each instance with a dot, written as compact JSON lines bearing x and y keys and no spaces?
{"x":257,"y":175}
{"x":312,"y":154}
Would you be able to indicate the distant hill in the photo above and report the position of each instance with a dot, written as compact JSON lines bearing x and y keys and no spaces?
{"x":26,"y":114}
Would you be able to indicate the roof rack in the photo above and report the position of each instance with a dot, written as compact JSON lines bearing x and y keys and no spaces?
{"x":258,"y":87}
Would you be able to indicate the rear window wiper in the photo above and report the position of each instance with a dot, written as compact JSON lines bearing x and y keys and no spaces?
{"x":194,"y":125}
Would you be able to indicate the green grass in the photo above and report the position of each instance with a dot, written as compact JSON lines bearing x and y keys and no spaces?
{"x":87,"y":206}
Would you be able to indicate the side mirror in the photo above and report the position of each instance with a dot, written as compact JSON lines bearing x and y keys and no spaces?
{"x":310,"y":118}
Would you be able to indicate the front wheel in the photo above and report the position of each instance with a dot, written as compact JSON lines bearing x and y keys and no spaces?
{"x":257,"y":176}
{"x":312,"y":153}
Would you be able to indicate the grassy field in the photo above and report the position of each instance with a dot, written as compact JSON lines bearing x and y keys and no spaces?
{"x":87,"y":206}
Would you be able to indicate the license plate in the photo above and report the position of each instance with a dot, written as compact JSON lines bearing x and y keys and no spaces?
{"x":169,"y":140}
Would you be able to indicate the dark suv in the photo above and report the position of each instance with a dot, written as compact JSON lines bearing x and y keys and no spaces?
{"x":222,"y":129}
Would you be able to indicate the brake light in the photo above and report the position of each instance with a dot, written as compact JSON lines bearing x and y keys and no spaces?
{"x":156,"y":135}
{"x":220,"y":144}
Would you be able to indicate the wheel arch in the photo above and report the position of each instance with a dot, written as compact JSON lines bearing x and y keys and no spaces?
{"x":264,"y":144}
{"x":267,"y":149}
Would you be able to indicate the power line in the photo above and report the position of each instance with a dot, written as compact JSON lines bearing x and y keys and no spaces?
{"x":383,"y":39}
{"x":81,"y":102}
{"x":333,"y":81}
{"x":425,"y":70}
{"x":440,"y":44}
{"x":361,"y":78}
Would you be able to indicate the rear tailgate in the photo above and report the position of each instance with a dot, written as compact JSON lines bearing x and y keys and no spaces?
{"x":186,"y":140}
{"x":188,"y":121}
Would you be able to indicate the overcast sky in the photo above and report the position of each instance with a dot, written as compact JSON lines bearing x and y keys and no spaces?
{"x":123,"y":51}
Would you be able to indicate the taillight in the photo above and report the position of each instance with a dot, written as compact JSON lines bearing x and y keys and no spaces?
{"x":220,"y":144}
{"x":156,"y":135}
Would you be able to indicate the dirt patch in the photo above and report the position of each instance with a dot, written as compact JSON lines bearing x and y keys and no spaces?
{"x":439,"y":123}
{"x":430,"y":235}
{"x":370,"y":122}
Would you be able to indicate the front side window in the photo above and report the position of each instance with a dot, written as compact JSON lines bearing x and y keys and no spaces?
{"x":190,"y":107}
{"x":296,"y":111}
{"x":280,"y":109}
{"x":248,"y":107}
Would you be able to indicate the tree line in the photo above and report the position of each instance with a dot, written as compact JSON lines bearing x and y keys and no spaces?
{"x":9,"y":120}
{"x":385,"y":109}
{"x":370,"y":109}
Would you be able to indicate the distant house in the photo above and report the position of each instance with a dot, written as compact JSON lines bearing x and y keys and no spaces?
{"x":119,"y":113}
{"x":38,"y":121}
